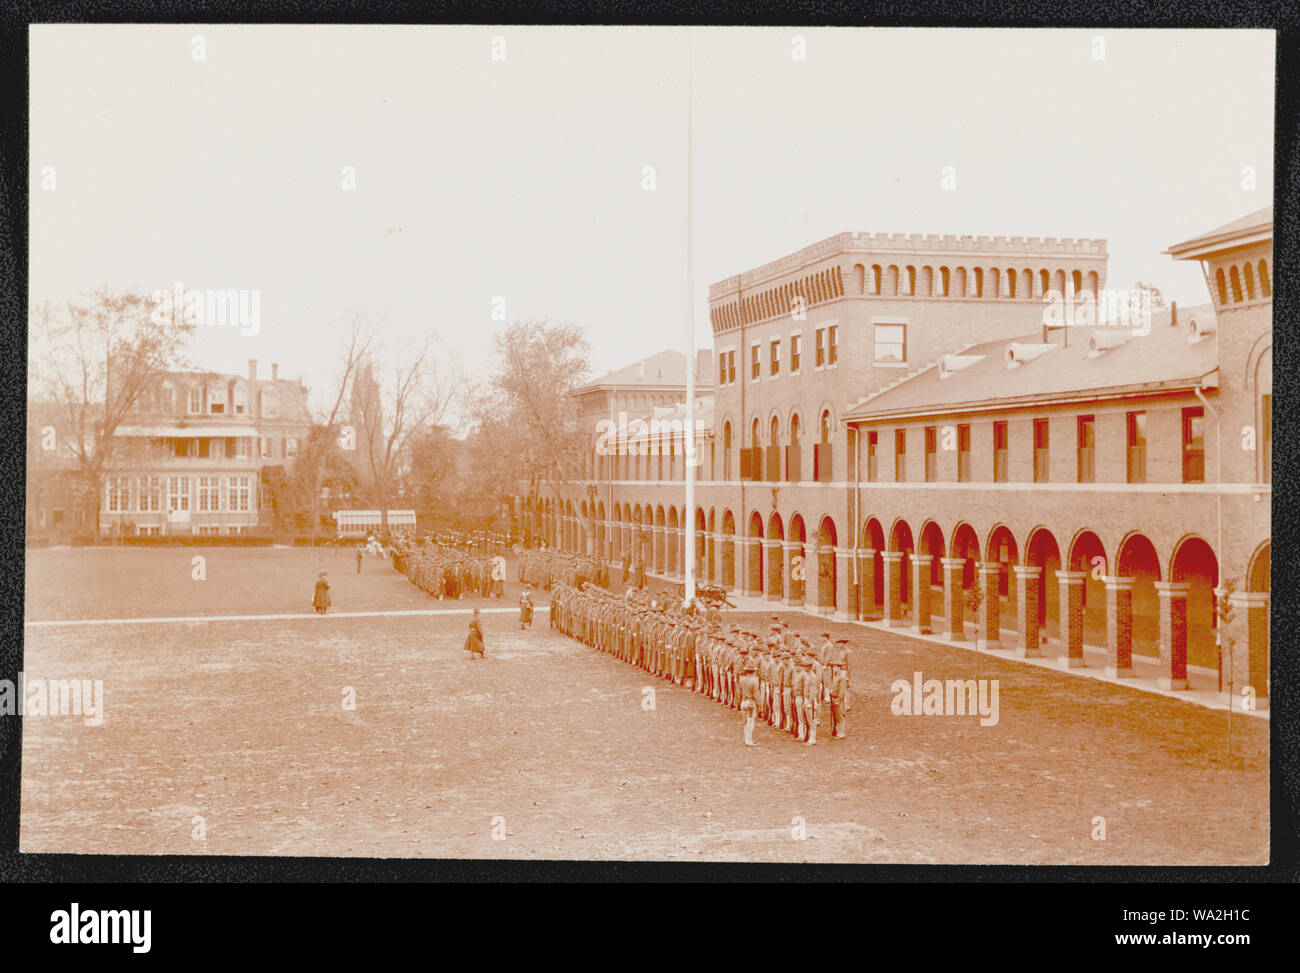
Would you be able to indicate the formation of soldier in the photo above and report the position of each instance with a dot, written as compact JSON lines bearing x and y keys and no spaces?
{"x":779,"y":678}
{"x":545,"y":569}
{"x":445,"y":572}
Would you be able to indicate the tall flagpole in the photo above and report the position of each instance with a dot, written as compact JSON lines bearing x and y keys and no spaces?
{"x":691,"y":458}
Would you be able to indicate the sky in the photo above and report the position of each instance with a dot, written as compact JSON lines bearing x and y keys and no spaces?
{"x":440,"y":179}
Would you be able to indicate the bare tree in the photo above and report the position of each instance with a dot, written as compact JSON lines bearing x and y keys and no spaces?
{"x":93,"y":359}
{"x":395,"y":404}
{"x":533,"y":408}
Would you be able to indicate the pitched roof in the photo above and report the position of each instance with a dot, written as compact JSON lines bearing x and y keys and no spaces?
{"x":977,"y":378}
{"x":665,"y":368}
{"x":1248,"y":228}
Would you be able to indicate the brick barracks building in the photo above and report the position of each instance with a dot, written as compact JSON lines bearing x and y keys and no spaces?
{"x":891,"y":426}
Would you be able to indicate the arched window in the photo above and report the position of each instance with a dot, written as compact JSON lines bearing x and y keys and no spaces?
{"x":1250,"y":282}
{"x":753,"y":437}
{"x":1077,"y":279}
{"x":1264,"y":288}
{"x":859,"y":279}
{"x":943,"y":281}
{"x":1222,"y":286}
{"x":979,"y":281}
{"x":776,"y":432}
{"x":875,"y":279}
{"x":794,"y":430}
{"x":1045,"y":282}
{"x":911,"y":281}
{"x":726,"y":451}
{"x":1234,"y":277}
{"x":826,"y":426}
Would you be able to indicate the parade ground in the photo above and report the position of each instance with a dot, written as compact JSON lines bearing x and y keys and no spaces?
{"x":255,"y":727}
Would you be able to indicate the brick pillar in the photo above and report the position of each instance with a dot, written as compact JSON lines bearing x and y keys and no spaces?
{"x":1071,"y":586}
{"x":954,"y":598}
{"x":657,"y":545}
{"x":893,"y":588}
{"x":921,"y":593}
{"x":845,"y":596}
{"x":1250,"y":650}
{"x":867,"y":607}
{"x":791,"y":552}
{"x":1030,"y":610}
{"x":1119,"y":627}
{"x":812,"y":585}
{"x":990,"y":620}
{"x":1173,"y":633}
{"x":775,"y":568}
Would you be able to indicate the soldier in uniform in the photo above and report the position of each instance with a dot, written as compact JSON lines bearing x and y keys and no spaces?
{"x":748,"y":700}
{"x":812,"y":699}
{"x":474,"y":640}
{"x":525,"y":610}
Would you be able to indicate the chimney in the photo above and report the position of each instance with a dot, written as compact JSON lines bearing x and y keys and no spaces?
{"x":704,"y":365}
{"x":252,"y":369}
{"x":1173,"y":314}
{"x":275,"y":371}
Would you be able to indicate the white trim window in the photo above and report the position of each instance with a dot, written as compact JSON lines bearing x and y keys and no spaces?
{"x":195,"y":401}
{"x":774,"y":357}
{"x":290,"y":447}
{"x":119,"y":494}
{"x":178,"y":493}
{"x":243,"y":447}
{"x":238,"y":493}
{"x":209,"y":494}
{"x":150,"y":494}
{"x":889,"y":341}
{"x":266,"y":447}
{"x":796,"y":350}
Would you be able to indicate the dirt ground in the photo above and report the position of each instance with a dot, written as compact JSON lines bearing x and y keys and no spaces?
{"x":238,"y":730}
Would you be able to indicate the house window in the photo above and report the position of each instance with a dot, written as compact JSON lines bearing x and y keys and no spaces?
{"x":731,"y":367}
{"x":195,"y":401}
{"x":241,"y":399}
{"x":266,"y":447}
{"x":931,"y":453}
{"x":119,"y":494}
{"x":79,"y":517}
{"x":873,"y":439}
{"x":900,"y":455}
{"x":181,"y":448}
{"x":243,"y":446}
{"x":1137,"y":447}
{"x":832,"y":344}
{"x":178,"y":493}
{"x":891,"y":344}
{"x":150,"y":493}
{"x":58,"y":518}
{"x":999,"y":452}
{"x":217,"y":448}
{"x":1087,"y":449}
{"x":238,"y":495}
{"x":216,"y":401}
{"x":168,"y":399}
{"x":209,"y":494}
{"x":755,"y":368}
{"x":270,"y":403}
{"x":1194,"y":445}
{"x":796,"y":346}
{"x":819,"y":343}
{"x":963,"y":453}
{"x":1042,"y":469}
{"x":775,"y":354}
{"x":722,"y":370}
{"x":290,"y":447}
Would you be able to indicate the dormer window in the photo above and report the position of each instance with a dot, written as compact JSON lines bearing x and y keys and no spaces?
{"x":270,"y":405}
{"x":216,"y":401}
{"x":240,"y":399}
{"x":195,"y":401}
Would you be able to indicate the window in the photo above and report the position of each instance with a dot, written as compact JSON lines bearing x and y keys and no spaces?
{"x":1194,"y":445}
{"x":266,"y":447}
{"x":726,"y":451}
{"x":999,"y":452}
{"x":1087,"y":448}
{"x":209,"y":493}
{"x":1042,"y":469}
{"x":217,"y":448}
{"x":1266,"y":436}
{"x":931,"y":453}
{"x":168,"y":399}
{"x":290,"y":447}
{"x":820,"y":346}
{"x":195,"y":401}
{"x":796,"y":346}
{"x":891,"y":344}
{"x":239,"y":493}
{"x":900,"y":455}
{"x":150,"y":493}
{"x":216,"y":401}
{"x":873,"y":439}
{"x":755,"y":368}
{"x":722,"y":370}
{"x":241,"y":399}
{"x":731,"y":366}
{"x":963,"y":453}
{"x":178,"y":493}
{"x":270,"y":403}
{"x":243,"y":447}
{"x":832,"y":344}
{"x":1137,"y":447}
{"x":181,"y":448}
{"x":79,"y":517}
{"x":58,"y":518}
{"x":119,"y":494}
{"x":775,"y":355}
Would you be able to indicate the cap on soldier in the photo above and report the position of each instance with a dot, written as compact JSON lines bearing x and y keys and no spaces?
{"x":841,"y":641}
{"x":826,"y":635}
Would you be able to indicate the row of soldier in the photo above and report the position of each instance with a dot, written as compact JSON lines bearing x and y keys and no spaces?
{"x":449,"y":573}
{"x":544,"y":569}
{"x":779,"y":678}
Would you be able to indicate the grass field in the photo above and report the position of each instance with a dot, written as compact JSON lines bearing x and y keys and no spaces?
{"x":242,"y":724}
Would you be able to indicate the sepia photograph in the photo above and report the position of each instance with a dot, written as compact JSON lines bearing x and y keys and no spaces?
{"x":799,"y":446}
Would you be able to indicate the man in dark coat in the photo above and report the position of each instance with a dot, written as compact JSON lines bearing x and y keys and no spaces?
{"x":321,"y":599}
{"x":474,"y":640}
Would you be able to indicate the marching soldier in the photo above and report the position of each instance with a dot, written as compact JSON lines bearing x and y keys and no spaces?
{"x":525,"y":610}
{"x":748,"y":700}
